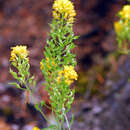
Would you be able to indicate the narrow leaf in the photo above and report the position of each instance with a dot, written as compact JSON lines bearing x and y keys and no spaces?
{"x":52,"y":127}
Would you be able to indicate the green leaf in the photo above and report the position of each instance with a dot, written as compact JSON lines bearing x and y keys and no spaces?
{"x":72,"y":120}
{"x":14,"y":64}
{"x":52,"y":127}
{"x":42,"y":103}
{"x":69,"y":47}
{"x":27,"y":67}
{"x":30,"y":80}
{"x":76,"y":37}
{"x":14,"y":74}
{"x":37,"y":106}
{"x":15,"y":84}
{"x":34,"y":83}
{"x":129,"y":80}
{"x":53,"y":22}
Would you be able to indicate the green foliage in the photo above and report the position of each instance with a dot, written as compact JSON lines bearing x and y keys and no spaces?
{"x":58,"y":54}
{"x":123,"y":38}
{"x":22,"y":75}
{"x":123,"y":30}
{"x":15,"y":84}
{"x":52,"y":127}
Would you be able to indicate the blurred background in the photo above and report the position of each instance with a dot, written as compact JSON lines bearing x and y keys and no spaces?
{"x":102,"y":100}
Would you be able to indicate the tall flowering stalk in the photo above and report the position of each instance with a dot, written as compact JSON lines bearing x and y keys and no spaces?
{"x":57,"y":66}
{"x":122,"y":29}
{"x":19,"y":59}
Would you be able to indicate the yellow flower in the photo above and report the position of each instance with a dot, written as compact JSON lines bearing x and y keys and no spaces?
{"x":60,"y":73}
{"x":69,"y":74}
{"x":64,"y":7}
{"x":125,"y":12}
{"x":41,"y":65}
{"x":19,"y":51}
{"x":35,"y":128}
{"x":49,"y":64}
{"x":118,"y":26}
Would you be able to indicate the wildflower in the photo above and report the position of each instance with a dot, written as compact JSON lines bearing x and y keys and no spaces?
{"x":125,"y":12}
{"x":19,"y":51}
{"x":69,"y":74}
{"x":41,"y":65}
{"x":60,"y":73}
{"x":118,"y":26}
{"x":65,"y":8}
{"x":49,"y":64}
{"x":35,"y":128}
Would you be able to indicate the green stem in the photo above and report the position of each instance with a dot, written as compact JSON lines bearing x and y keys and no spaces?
{"x":63,"y":122}
{"x":44,"y":116}
{"x":68,"y":125}
{"x":58,"y":123}
{"x":36,"y":103}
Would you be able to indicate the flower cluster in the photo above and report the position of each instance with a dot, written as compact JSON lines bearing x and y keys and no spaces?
{"x":49,"y":63}
{"x":35,"y":128}
{"x":118,"y":26}
{"x":19,"y":51}
{"x":68,"y":73}
{"x":124,"y":19}
{"x":125,"y":12}
{"x":122,"y":29}
{"x":41,"y":65}
{"x":64,"y":8}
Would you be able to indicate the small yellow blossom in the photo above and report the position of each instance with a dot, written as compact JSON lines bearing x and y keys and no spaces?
{"x":48,"y":62}
{"x":19,"y":51}
{"x":118,"y":26}
{"x":47,"y":59}
{"x":64,"y":7}
{"x":60,"y":73}
{"x":41,"y":65}
{"x":35,"y":128}
{"x":69,"y":74}
{"x":125,"y":12}
{"x":53,"y":63}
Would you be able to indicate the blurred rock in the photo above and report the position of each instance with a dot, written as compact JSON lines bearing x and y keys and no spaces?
{"x":2,"y":88}
{"x":15,"y":127}
{"x":4,"y":126}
